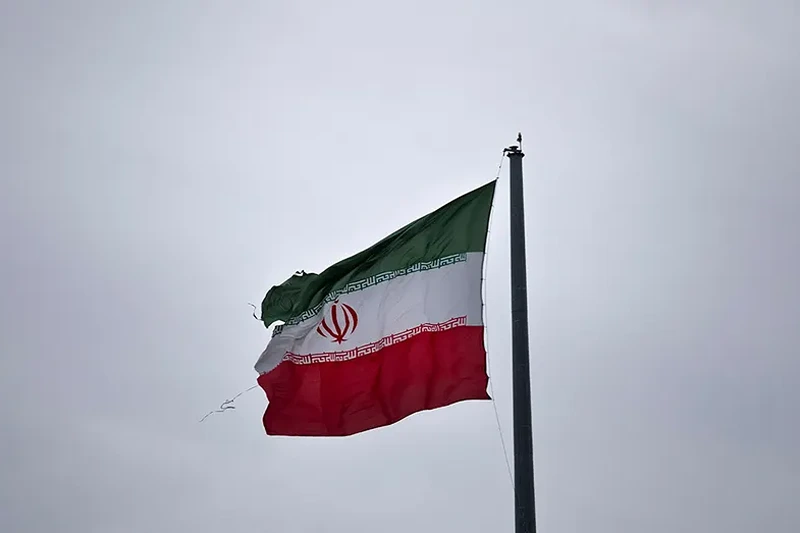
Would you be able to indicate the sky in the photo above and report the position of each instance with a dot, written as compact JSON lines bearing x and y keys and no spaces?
{"x":163,"y":164}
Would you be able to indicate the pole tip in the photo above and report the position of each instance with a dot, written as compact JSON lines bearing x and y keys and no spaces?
{"x":515,"y":149}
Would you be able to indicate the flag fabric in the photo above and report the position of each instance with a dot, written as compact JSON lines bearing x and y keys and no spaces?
{"x":391,"y":331}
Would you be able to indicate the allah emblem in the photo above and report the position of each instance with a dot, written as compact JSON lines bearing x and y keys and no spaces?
{"x":340,"y":323}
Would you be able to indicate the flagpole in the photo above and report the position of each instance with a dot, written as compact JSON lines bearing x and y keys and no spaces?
{"x":525,"y":508}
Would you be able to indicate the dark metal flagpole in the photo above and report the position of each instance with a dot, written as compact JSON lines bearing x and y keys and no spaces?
{"x":525,"y":509}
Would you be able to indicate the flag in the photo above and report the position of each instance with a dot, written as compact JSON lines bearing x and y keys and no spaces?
{"x":391,"y":331}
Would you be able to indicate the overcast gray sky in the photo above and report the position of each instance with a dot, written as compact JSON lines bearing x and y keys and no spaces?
{"x":162,"y":164}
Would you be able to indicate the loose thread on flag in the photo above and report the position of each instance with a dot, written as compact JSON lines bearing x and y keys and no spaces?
{"x":254,"y":310}
{"x":486,"y":337}
{"x":227,"y":405}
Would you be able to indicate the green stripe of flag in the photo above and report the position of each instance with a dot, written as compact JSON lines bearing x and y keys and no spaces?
{"x":455,"y":228}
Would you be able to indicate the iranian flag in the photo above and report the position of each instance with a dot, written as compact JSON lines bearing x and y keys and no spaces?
{"x":391,"y":331}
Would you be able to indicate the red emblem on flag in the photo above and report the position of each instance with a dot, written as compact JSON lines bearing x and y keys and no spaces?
{"x":339,"y":324}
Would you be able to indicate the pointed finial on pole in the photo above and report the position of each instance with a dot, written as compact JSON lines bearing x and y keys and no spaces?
{"x":515,"y":148}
